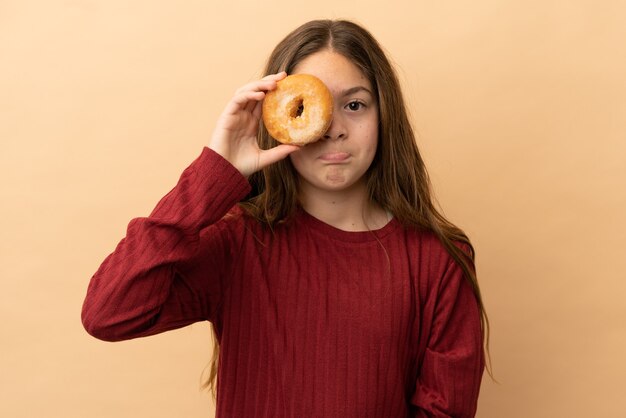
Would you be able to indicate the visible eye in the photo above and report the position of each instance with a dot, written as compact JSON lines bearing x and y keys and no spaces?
{"x":354,"y":106}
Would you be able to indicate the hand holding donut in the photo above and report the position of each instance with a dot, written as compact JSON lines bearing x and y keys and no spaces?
{"x":234,"y":137}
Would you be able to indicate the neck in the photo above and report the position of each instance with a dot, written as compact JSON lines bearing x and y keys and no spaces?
{"x":348,"y":210}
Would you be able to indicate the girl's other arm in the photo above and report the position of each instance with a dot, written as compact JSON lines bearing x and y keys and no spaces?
{"x":449,"y":379}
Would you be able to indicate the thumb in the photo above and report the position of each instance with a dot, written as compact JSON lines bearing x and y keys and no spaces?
{"x":275,"y":154}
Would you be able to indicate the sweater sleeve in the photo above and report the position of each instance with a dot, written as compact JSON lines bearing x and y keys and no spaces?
{"x":449,"y":379}
{"x":168,"y":271}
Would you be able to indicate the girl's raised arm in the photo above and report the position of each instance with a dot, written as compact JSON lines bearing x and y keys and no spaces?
{"x":172,"y":266}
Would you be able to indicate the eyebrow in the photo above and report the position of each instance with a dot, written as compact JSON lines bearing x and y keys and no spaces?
{"x":355,"y":89}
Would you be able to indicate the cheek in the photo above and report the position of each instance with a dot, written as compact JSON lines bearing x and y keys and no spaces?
{"x":299,"y":159}
{"x":368,"y":125}
{"x":370,"y":135}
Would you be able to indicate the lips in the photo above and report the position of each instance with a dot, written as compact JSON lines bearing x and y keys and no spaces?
{"x":334,"y":157}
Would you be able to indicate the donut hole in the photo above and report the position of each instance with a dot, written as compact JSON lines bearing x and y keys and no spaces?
{"x":297,"y":107}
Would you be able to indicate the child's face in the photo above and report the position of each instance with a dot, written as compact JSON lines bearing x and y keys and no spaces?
{"x":339,"y":160}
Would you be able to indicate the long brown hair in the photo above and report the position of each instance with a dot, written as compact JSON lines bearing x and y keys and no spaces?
{"x":397,"y":179}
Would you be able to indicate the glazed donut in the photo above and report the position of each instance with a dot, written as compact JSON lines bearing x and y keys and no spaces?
{"x":299,"y":110}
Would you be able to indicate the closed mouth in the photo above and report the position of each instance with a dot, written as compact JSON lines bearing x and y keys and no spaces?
{"x":335,"y":157}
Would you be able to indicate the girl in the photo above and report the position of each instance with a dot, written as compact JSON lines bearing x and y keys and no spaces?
{"x":334,"y":286}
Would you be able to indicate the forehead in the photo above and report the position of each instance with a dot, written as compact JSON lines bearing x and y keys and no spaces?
{"x":335,"y":70}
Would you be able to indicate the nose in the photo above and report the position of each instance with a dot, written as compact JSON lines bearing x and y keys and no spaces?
{"x":336,"y":130}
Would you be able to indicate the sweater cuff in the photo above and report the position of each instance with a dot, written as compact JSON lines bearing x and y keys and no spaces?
{"x":213,"y":165}
{"x":205,"y":192}
{"x":221,"y":180}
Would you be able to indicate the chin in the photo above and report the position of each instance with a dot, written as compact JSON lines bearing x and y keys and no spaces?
{"x":337,"y":183}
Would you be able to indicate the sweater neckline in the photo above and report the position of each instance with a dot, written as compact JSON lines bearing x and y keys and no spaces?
{"x":319,"y":226}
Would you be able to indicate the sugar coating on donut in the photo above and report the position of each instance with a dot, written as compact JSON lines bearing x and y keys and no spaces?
{"x":299,"y":110}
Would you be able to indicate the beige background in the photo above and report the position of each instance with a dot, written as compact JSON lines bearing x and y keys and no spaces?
{"x":521,"y":111}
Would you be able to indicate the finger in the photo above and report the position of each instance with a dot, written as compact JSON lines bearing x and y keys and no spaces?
{"x":255,"y":108}
{"x":277,"y":153}
{"x":266,"y":83}
{"x":258,"y":110}
{"x":241,"y":100}
{"x":275,"y":77}
{"x":252,"y":104}
{"x":257,"y":85}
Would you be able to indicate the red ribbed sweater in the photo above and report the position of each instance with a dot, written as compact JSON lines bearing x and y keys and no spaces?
{"x":312,"y":321}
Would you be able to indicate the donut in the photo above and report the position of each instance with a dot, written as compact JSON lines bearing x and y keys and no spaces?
{"x":299,"y":110}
